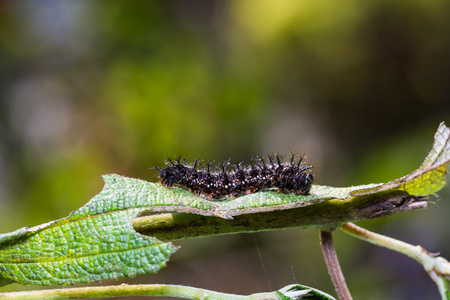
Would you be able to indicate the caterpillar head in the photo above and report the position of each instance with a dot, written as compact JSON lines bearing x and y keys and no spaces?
{"x":306,"y":183}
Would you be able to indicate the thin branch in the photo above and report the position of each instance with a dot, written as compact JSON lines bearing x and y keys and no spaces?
{"x":436,"y":267}
{"x":332,"y":262}
{"x":152,"y":290}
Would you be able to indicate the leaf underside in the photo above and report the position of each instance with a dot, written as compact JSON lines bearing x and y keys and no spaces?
{"x":297,"y":291}
{"x":97,"y":241}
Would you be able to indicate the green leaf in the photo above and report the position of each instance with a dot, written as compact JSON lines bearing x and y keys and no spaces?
{"x":95,"y":242}
{"x":429,"y":178}
{"x":297,"y":291}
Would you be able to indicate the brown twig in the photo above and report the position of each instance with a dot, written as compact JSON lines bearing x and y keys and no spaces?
{"x":334,"y":269}
{"x":437,"y":267}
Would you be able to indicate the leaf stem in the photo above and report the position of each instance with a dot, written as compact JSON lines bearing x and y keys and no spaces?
{"x":332,"y":262}
{"x":436,"y":267}
{"x":149,"y":290}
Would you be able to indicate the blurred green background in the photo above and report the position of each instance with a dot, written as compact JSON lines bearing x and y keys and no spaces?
{"x":95,"y":87}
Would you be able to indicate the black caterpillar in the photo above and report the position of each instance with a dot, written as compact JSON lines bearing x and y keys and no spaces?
{"x":259,"y":175}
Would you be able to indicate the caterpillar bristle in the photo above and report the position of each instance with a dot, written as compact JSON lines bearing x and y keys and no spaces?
{"x":195,"y":164}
